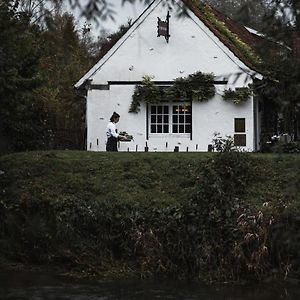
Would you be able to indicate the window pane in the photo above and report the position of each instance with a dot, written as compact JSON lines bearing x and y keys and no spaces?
{"x":153,"y":119}
{"x":159,"y":109}
{"x":159,"y":119}
{"x":159,"y":128}
{"x":181,"y":119}
{"x":166,"y":110}
{"x":175,"y":109}
{"x":239,"y":125}
{"x":166,"y":128}
{"x":188,"y":119}
{"x":240,"y":139}
{"x":181,"y":128}
{"x":187,"y":109}
{"x":166,"y":119}
{"x":175,"y":119}
{"x":153,"y":109}
{"x":175,"y":129}
{"x":153,"y":129}
{"x":188,"y":128}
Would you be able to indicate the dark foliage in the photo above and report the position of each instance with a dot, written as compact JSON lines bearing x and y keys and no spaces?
{"x":232,"y":216}
{"x":23,"y":122}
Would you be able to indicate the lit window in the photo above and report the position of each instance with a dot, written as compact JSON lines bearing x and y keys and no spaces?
{"x":181,"y":119}
{"x":170,"y":118}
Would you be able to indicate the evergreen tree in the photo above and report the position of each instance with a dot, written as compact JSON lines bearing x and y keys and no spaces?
{"x":22,"y":119}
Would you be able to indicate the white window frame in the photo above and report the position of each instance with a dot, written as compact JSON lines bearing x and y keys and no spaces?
{"x":170,"y":119}
{"x":240,"y":133}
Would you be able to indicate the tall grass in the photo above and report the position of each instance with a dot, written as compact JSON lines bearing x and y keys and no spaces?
{"x":212,"y":217}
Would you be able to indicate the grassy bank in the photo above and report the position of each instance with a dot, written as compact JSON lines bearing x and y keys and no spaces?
{"x":183,"y":215}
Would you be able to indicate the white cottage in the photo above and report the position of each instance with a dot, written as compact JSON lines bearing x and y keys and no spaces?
{"x":196,"y":43}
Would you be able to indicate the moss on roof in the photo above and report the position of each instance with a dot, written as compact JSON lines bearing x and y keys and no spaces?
{"x":235,"y":36}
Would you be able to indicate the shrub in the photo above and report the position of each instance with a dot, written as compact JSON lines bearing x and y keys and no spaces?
{"x":281,"y":147}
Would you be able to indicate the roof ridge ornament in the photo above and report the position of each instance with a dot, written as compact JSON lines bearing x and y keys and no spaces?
{"x":163,"y":27}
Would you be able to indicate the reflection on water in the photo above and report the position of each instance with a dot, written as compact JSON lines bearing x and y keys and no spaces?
{"x":37,"y":286}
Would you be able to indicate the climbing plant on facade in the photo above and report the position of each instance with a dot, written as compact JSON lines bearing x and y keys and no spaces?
{"x":238,"y":95}
{"x":195,"y":87}
{"x":147,"y":92}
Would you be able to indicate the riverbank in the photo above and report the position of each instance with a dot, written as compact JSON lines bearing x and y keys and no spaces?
{"x":198,"y":216}
{"x":47,"y":285}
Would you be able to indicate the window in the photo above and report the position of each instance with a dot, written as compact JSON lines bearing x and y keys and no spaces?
{"x":171,"y":118}
{"x":181,"y":119}
{"x":239,"y":125}
{"x":159,"y":119}
{"x":240,"y":130}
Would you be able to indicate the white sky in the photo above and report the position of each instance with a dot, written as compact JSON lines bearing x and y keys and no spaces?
{"x":122,"y":14}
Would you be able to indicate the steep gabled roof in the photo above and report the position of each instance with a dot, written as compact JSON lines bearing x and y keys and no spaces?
{"x":234,"y":36}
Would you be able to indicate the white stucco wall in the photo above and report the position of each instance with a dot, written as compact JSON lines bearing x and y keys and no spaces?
{"x":191,"y":48}
{"x":215,"y":115}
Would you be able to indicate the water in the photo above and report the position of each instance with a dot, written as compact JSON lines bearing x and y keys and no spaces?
{"x":36,"y":286}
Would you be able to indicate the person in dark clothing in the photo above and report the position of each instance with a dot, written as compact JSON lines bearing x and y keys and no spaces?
{"x":112,"y":134}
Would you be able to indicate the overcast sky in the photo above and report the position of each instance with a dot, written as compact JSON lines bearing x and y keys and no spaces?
{"x":122,"y":14}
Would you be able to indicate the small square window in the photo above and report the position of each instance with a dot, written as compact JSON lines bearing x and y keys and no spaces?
{"x":166,"y":119}
{"x":153,"y":119}
{"x":166,"y":128}
{"x":240,"y":140}
{"x":239,"y":125}
{"x":153,"y":129}
{"x":159,"y":119}
{"x":175,"y":128}
{"x":159,"y":128}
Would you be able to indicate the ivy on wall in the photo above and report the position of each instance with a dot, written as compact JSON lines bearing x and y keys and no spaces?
{"x":238,"y":95}
{"x":147,"y":92}
{"x":196,"y":87}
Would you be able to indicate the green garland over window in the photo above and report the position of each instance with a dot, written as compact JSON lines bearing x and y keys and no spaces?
{"x":196,"y":87}
{"x":239,"y":95}
{"x":147,"y":92}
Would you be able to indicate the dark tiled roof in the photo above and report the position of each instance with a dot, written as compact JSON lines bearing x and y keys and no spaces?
{"x":238,"y":30}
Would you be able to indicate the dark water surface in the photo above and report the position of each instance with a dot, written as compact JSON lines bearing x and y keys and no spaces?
{"x":33,"y":285}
